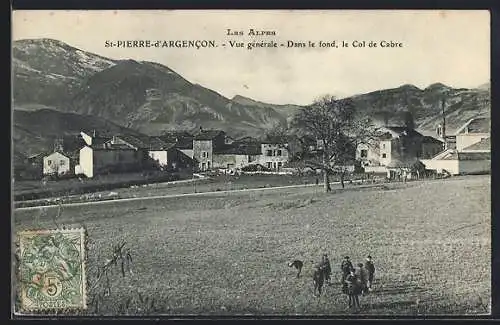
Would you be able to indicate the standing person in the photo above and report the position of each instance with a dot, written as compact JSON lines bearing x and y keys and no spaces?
{"x":352,"y":289}
{"x":370,"y":267}
{"x":318,"y":280}
{"x":346,"y":268}
{"x":327,"y":268}
{"x":362,"y":275}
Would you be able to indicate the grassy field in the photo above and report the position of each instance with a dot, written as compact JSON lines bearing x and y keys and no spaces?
{"x":212,"y":184}
{"x":228,"y":254}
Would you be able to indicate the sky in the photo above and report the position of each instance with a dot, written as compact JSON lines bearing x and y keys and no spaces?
{"x":451,"y":47}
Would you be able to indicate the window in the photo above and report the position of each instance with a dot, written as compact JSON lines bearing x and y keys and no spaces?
{"x":384,"y":155}
{"x":279,"y":152}
{"x":383,"y":145}
{"x":202,"y":166}
{"x":61,"y":162}
{"x":269,"y":165}
{"x":269,"y":153}
{"x":279,"y":164}
{"x":49,"y":162}
{"x":364,"y":153}
{"x":274,"y":165}
{"x":208,"y":165}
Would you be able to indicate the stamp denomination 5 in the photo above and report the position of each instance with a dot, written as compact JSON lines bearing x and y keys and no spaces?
{"x":52,"y":269}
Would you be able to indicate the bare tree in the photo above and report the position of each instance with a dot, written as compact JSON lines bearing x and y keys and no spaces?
{"x":279,"y":134}
{"x":292,"y":139}
{"x":334,"y":123}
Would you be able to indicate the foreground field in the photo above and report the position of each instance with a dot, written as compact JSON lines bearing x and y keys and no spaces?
{"x":209,"y":184}
{"x":227,"y":254}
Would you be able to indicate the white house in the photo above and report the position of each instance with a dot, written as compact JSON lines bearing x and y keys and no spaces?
{"x":56,"y":163}
{"x":274,"y":155}
{"x":472,"y":132}
{"x":397,"y":143}
{"x":236,"y":156}
{"x":474,"y":159}
{"x":114,"y":158}
{"x":155,"y":148}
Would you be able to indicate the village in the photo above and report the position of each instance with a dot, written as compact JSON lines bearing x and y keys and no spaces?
{"x":399,"y":152}
{"x":341,"y":167}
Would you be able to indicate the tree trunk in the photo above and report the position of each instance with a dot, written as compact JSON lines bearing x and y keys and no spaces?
{"x":326,"y":178}
{"x":342,"y":179}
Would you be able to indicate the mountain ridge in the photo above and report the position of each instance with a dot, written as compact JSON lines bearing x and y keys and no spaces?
{"x":150,"y":97}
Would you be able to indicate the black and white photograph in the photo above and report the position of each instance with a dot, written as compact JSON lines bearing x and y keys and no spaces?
{"x":251,"y":163}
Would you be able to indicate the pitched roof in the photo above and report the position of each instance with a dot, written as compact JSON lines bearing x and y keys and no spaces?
{"x":240,"y":149}
{"x":455,"y":155}
{"x":483,"y":145}
{"x":144,"y":142}
{"x":173,"y":134}
{"x":246,"y":140}
{"x":37,"y":156}
{"x":184,"y":144}
{"x":99,"y":141}
{"x":474,"y":156}
{"x":475,"y":125}
{"x":179,"y":139}
{"x":275,"y":140}
{"x":156,"y":143}
{"x":112,"y":147}
{"x":208,"y":134}
{"x":98,"y":133}
{"x":429,"y":139}
{"x":399,"y":130}
{"x":134,"y":141}
{"x":65,"y":154}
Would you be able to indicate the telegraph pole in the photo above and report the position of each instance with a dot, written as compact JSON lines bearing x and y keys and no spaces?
{"x":443,"y":130}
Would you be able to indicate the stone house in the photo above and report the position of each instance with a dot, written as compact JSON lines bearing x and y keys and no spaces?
{"x":396,"y":143}
{"x":182,"y":140}
{"x":274,"y":154}
{"x":205,"y":143}
{"x":431,"y":147}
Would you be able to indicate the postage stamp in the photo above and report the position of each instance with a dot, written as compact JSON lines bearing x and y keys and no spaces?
{"x":51,"y":269}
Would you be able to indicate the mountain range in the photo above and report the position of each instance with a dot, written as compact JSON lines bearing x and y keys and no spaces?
{"x":59,"y":89}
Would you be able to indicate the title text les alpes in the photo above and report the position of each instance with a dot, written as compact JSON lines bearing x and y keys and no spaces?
{"x":250,"y":32}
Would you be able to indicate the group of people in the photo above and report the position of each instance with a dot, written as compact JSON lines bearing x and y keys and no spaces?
{"x":355,"y":281}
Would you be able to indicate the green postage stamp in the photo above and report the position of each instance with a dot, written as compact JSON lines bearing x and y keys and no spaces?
{"x":51,"y":270}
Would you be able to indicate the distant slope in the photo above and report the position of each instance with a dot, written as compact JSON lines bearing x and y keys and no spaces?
{"x":35,"y":131}
{"x":425,"y":105}
{"x":150,"y":97}
{"x":287,"y":110}
{"x":48,"y":72}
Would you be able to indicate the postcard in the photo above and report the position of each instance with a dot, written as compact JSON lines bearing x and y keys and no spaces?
{"x":251,"y":163}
